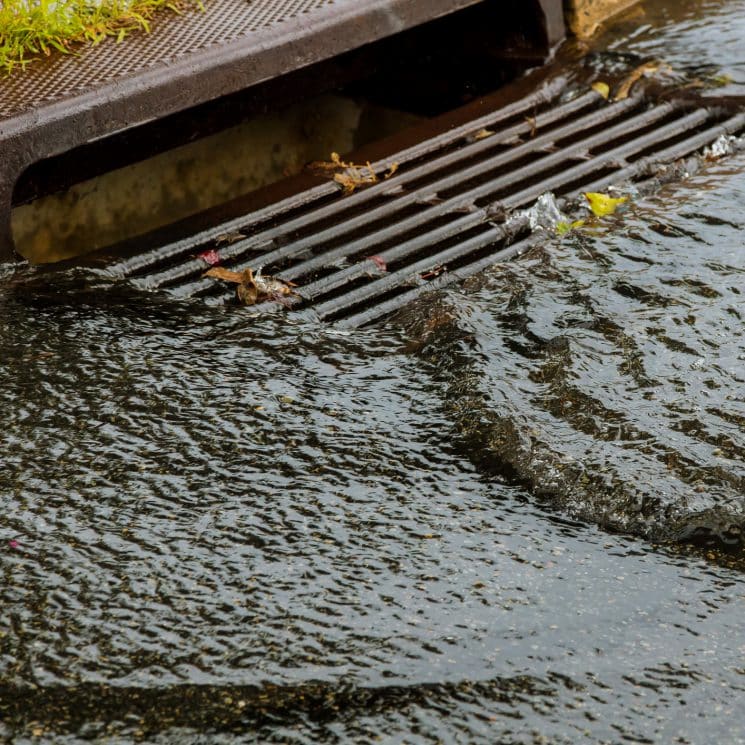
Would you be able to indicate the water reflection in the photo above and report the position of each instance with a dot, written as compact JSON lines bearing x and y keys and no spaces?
{"x":605,"y":371}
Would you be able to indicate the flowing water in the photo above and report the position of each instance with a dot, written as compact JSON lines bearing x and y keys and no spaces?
{"x":514,"y":513}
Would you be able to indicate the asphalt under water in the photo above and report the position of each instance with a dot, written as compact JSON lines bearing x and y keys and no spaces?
{"x":512,"y":514}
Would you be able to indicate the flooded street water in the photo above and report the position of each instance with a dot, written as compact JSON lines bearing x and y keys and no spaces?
{"x":514,"y":513}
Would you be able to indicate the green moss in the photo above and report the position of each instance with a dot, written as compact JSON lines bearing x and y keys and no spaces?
{"x":30,"y":29}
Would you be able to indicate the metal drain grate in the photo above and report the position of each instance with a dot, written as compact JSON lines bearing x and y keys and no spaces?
{"x":445,"y":215}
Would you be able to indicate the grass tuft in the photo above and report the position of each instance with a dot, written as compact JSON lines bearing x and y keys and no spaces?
{"x":30,"y":29}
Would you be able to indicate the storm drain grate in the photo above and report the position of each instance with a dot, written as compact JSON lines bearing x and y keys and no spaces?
{"x":448,"y":211}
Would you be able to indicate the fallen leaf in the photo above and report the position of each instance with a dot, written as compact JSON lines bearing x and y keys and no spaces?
{"x":355,"y":177}
{"x":602,"y":88}
{"x":14,"y":544}
{"x":721,"y":80}
{"x":210,"y":257}
{"x":602,"y":204}
{"x":351,"y":176}
{"x":253,"y":288}
{"x":231,"y":237}
{"x":563,"y":227}
{"x":635,"y":75}
{"x":247,"y":293}
{"x":482,"y":134}
{"x":533,"y":125}
{"x":227,"y":275}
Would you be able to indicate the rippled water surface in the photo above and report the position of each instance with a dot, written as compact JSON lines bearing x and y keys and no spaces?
{"x":514,"y":513}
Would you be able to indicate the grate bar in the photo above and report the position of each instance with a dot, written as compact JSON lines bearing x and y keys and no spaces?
{"x":450,"y":214}
{"x":384,"y":284}
{"x":387,"y":307}
{"x":646,"y":165}
{"x":434,"y":236}
{"x":640,"y":168}
{"x":545,"y":96}
{"x":239,"y":248}
{"x":412,"y":272}
{"x":449,"y":206}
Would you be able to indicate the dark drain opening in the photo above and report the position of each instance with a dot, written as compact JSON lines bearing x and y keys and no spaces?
{"x":144,"y":178}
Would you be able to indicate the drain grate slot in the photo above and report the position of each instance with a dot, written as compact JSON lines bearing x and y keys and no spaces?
{"x":445,"y":215}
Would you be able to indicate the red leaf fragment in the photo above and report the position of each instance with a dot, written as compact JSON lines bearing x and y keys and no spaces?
{"x":210,"y":256}
{"x":14,"y":544}
{"x":379,"y":262}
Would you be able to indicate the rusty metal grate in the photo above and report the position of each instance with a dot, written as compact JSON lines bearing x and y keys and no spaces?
{"x":446,"y":214}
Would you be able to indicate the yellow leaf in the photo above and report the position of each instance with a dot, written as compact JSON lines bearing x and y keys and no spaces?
{"x":392,"y":168}
{"x":721,"y":80}
{"x":602,"y":88}
{"x":482,"y":134}
{"x":602,"y":204}
{"x":564,"y":227}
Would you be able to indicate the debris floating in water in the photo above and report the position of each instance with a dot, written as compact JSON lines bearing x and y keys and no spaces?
{"x":564,"y":227}
{"x":210,"y":257}
{"x":544,"y":214}
{"x":723,"y":145}
{"x":603,"y":204}
{"x":232,"y":237}
{"x":645,"y":70}
{"x":482,"y":134}
{"x":253,"y":288}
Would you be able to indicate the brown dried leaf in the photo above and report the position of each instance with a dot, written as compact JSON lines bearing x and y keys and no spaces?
{"x":350,"y":176}
{"x":227,"y":275}
{"x":232,"y":237}
{"x":247,"y":293}
{"x":634,"y":76}
{"x":253,"y":288}
{"x":355,"y":176}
